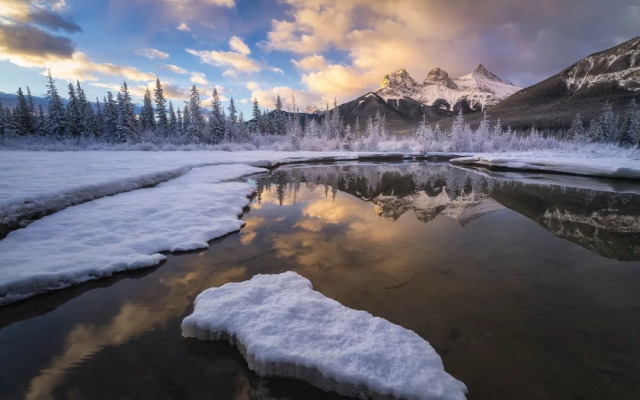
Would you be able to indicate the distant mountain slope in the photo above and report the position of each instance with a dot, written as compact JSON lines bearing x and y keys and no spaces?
{"x":472,"y":92}
{"x":611,"y":75}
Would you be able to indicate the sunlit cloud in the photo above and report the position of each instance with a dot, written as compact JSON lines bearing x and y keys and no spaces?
{"x":267,"y":97}
{"x":152,"y":53}
{"x":174,"y":68}
{"x":236,"y":44}
{"x":199,"y":78}
{"x":183,"y":27}
{"x":314,"y":62}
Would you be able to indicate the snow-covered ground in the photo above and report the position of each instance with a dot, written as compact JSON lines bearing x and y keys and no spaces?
{"x":122,"y":232}
{"x":285,"y":328}
{"x":36,"y":183}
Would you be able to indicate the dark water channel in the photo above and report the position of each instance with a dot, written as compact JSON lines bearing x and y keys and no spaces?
{"x":528,"y":286}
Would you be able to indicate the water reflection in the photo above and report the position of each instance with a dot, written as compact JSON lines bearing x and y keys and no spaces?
{"x":472,"y":262}
{"x":585,"y":211}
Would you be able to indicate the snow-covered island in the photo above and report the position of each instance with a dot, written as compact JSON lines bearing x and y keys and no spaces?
{"x":285,"y":328}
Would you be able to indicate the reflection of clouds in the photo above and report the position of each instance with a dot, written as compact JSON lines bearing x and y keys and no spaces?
{"x":249,"y":232}
{"x":132,"y":320}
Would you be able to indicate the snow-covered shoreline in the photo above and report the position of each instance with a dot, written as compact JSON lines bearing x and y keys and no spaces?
{"x":114,"y":211}
{"x":285,"y":328}
{"x":604,"y":167}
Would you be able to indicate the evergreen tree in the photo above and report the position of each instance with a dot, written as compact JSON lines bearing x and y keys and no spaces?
{"x":110,"y":123}
{"x":255,"y":114}
{"x":163,"y":126}
{"x":576,"y":130}
{"x":147,"y":119}
{"x":186,"y":122}
{"x":22,"y":117}
{"x":279,"y":118}
{"x":195,"y":128}
{"x":216,"y":122}
{"x":99,"y":120}
{"x":630,"y":129}
{"x":3,"y":120}
{"x":126,"y":124}
{"x":57,"y":122}
{"x":173,"y":122}
{"x":41,"y":121}
{"x":609,"y":124}
{"x":74,"y":112}
{"x":233,"y":114}
{"x":32,"y":106}
{"x":180,"y":124}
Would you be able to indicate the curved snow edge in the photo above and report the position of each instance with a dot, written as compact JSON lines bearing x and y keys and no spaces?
{"x":284,"y":328}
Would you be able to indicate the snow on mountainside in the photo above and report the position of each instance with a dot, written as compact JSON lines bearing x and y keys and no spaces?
{"x":619,"y":65}
{"x":472,"y":92}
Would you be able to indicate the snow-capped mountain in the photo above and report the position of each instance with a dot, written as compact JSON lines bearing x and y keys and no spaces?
{"x":619,"y":65}
{"x":610,"y":76}
{"x":471,"y":92}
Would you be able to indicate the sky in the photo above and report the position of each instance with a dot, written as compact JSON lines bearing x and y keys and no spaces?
{"x":312,"y":50}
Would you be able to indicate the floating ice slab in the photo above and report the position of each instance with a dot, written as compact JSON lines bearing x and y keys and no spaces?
{"x":285,"y":328}
{"x":122,"y":232}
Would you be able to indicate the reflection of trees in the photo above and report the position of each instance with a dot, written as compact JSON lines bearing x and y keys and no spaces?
{"x":602,"y":221}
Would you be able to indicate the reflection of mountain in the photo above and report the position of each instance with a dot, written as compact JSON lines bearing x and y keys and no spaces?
{"x":602,"y":221}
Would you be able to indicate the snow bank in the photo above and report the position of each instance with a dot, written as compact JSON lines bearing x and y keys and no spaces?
{"x":34,"y":184}
{"x":285,"y":328}
{"x":122,"y":232}
{"x":608,"y":167}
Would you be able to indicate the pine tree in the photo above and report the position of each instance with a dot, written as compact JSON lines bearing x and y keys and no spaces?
{"x":99,"y":120}
{"x":233,"y":114}
{"x":22,"y":117}
{"x":41,"y":121}
{"x":57,"y":122}
{"x":3,"y":120}
{"x":74,"y":114}
{"x":173,"y":122}
{"x":576,"y":130}
{"x":279,"y":118}
{"x":630,"y":130}
{"x":163,"y":126}
{"x":186,"y":121}
{"x":110,"y":123}
{"x":216,"y":123}
{"x":180,"y":124}
{"x":126,"y":124}
{"x":256,"y":115}
{"x":32,"y":106}
{"x":609,"y":124}
{"x":195,"y":127}
{"x":147,"y":119}
{"x":85,"y":118}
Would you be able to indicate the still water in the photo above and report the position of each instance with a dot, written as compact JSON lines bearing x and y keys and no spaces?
{"x":525,"y":284}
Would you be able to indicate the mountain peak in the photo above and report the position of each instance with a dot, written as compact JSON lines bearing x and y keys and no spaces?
{"x":481,"y":70}
{"x":440,"y":77}
{"x":398,"y":77}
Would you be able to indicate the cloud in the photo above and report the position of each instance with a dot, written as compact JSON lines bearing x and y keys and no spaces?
{"x":23,"y":44}
{"x":235,"y":61}
{"x":174,"y":68}
{"x":52,"y":20}
{"x":236,"y":44}
{"x":314,"y":62}
{"x":152,"y":53}
{"x":516,"y":40}
{"x":199,"y":78}
{"x":183,"y":27}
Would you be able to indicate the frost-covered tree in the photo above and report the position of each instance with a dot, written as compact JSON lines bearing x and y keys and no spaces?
{"x":126,"y":124}
{"x":57,"y":121}
{"x":162,"y":126}
{"x":23,"y":119}
{"x":88,"y":126}
{"x":180,"y":124}
{"x":594,"y":132}
{"x":256,"y":115}
{"x":216,"y":123}
{"x":147,"y":118}
{"x":74,"y":112}
{"x":458,"y":135}
{"x":99,"y":120}
{"x":173,"y":121}
{"x":576,"y":130}
{"x":609,"y":124}
{"x":186,"y":122}
{"x":629,"y":134}
{"x":195,"y":127}
{"x":110,"y":125}
{"x":279,"y":119}
{"x":233,"y":113}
